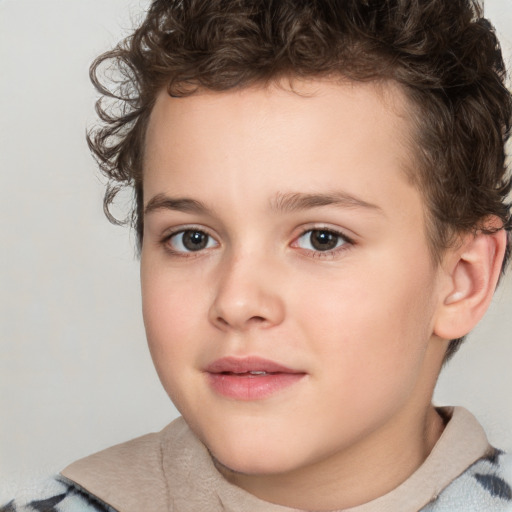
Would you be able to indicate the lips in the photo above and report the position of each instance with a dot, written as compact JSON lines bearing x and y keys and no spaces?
{"x":246,"y":365}
{"x":250,"y":378}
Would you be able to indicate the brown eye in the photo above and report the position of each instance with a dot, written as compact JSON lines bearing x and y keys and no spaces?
{"x":321,"y":240}
{"x":191,"y":240}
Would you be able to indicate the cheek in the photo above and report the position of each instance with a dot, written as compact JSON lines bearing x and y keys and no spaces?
{"x":172,"y":311}
{"x":370,"y":327}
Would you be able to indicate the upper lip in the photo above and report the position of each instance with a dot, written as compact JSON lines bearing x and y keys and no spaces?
{"x":247,"y":364}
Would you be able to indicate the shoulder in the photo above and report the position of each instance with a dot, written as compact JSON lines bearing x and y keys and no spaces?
{"x":127,"y":477}
{"x":141,"y":475}
{"x":57,"y":494}
{"x":135,"y":476}
{"x":485,"y":486}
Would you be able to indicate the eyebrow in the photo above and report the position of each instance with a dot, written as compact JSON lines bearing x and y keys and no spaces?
{"x":181,"y":204}
{"x":282,"y":203}
{"x":291,"y":202}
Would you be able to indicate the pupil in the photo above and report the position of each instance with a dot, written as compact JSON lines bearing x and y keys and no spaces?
{"x":194,"y":240}
{"x":323,"y":240}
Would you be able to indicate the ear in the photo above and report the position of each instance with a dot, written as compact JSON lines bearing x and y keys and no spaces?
{"x":471,"y":275}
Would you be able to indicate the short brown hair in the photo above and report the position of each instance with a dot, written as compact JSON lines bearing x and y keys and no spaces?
{"x":444,"y":55}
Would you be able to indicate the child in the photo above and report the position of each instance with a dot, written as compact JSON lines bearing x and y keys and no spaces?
{"x":320,"y":200}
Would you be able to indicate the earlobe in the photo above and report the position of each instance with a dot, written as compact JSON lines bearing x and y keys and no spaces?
{"x":471,"y":277}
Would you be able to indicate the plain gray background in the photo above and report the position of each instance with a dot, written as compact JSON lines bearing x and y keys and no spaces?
{"x":75,"y":374}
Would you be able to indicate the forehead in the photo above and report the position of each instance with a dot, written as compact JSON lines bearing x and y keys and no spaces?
{"x":288,"y":96}
{"x":293,"y":136}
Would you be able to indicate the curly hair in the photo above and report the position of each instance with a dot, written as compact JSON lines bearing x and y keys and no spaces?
{"x":443,"y":54}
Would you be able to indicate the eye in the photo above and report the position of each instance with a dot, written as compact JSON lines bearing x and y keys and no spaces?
{"x":191,"y":240}
{"x":321,"y":240}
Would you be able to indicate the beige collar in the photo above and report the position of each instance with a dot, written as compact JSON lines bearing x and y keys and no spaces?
{"x":172,"y":471}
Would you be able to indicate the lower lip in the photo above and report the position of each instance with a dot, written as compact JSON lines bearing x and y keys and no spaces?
{"x":251,"y":387}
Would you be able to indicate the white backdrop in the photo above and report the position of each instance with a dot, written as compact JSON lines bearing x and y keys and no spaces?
{"x":75,"y":374}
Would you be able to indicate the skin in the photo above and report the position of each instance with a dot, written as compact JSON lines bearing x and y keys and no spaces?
{"x":359,"y":321}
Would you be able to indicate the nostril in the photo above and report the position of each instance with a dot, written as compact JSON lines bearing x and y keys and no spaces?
{"x":221,"y":320}
{"x":254,"y":320}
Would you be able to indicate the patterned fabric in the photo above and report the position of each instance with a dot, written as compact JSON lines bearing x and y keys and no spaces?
{"x":58,"y":495}
{"x":486,"y":486}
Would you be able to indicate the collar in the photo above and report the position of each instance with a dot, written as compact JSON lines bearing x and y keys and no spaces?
{"x":173,"y":471}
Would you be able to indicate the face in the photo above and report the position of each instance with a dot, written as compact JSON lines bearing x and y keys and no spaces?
{"x":289,"y":297}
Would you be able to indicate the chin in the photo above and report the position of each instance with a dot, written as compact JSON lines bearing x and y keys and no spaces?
{"x":246,"y":464}
{"x":253,"y":456}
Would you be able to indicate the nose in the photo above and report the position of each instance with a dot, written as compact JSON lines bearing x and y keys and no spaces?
{"x":247,"y":296}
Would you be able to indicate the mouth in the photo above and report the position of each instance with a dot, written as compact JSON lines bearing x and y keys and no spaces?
{"x":248,"y":365}
{"x":250,"y":378}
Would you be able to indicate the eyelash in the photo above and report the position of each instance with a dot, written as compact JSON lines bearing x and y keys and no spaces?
{"x":185,"y":254}
{"x":330,"y":253}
